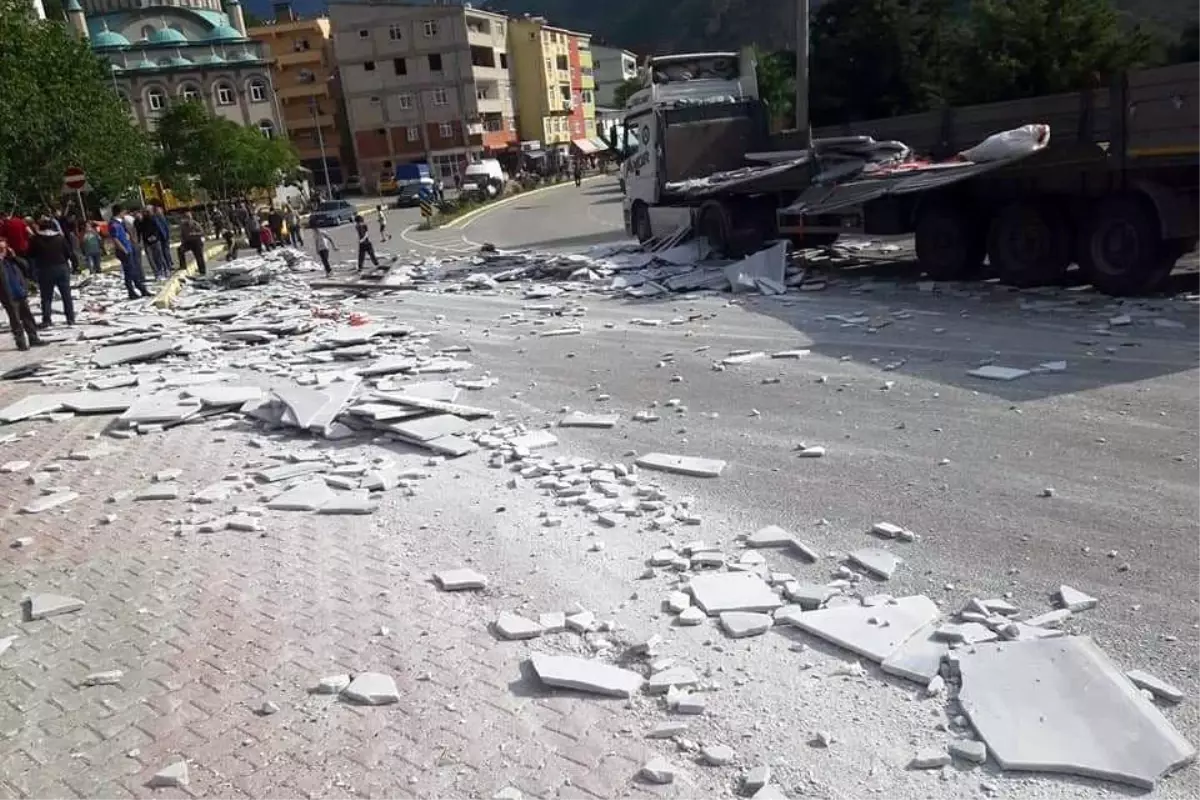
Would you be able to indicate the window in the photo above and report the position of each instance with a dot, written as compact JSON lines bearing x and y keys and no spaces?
{"x":368,"y":66}
{"x":431,"y":28}
{"x":395,"y":31}
{"x":224,"y":94}
{"x":400,"y":66}
{"x":405,"y":101}
{"x":435,"y":62}
{"x":445,"y":130}
{"x":147,"y":31}
{"x":156,"y":99}
{"x":267,"y":128}
{"x":587,"y":97}
{"x":562,"y":63}
{"x":413,"y":133}
{"x":300,"y":45}
{"x":306,"y":76}
{"x":258,"y":92}
{"x":374,"y":100}
{"x":363,"y":33}
{"x":439,"y":97}
{"x":504,"y":61}
{"x":190,"y":93}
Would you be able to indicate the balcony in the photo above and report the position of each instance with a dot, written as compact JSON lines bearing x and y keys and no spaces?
{"x":305,"y":122}
{"x":315,"y":56}
{"x":480,"y":36}
{"x":490,"y":105}
{"x":318,"y":89}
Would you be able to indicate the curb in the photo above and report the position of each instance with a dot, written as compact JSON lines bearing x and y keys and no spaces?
{"x":166,"y":295}
{"x":503,"y":201}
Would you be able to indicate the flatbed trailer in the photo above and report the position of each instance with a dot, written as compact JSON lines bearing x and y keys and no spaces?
{"x":1115,"y":191}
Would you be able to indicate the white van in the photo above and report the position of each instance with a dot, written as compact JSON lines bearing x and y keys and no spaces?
{"x":486,"y":176}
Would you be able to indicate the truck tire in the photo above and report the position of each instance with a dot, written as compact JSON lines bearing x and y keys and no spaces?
{"x":1029,"y":244}
{"x":714,"y":223}
{"x":1122,"y":250}
{"x":950,"y":244}
{"x":640,"y":222}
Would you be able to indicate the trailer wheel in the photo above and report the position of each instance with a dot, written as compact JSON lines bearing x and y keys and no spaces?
{"x":714,"y":224}
{"x":642,"y":229}
{"x":1122,"y":250}
{"x":950,"y":244}
{"x":1029,"y":244}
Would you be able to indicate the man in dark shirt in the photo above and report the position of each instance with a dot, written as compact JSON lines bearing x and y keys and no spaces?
{"x":148,"y":232}
{"x":191,"y":240}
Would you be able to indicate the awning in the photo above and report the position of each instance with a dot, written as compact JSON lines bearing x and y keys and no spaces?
{"x":600,"y":144}
{"x":585,"y":146}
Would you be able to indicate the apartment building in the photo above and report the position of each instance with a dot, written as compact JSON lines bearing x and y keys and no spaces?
{"x":423,"y":83}
{"x":613,"y":66}
{"x":556,"y":104}
{"x":306,"y":85}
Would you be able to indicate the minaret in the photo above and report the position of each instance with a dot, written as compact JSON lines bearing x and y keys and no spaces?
{"x":235,"y":16}
{"x":76,"y":18}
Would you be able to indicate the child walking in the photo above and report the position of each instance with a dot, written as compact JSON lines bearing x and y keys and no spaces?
{"x":324,"y":243}
{"x":365,"y":248}
{"x":383,"y":234}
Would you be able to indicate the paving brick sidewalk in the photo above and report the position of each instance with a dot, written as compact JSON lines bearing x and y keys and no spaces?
{"x":207,"y":627}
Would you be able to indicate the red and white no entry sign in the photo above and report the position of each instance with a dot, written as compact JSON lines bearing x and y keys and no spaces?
{"x":74,"y":179}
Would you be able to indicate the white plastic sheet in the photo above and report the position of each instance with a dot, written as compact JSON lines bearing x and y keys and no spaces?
{"x":1009,"y":144}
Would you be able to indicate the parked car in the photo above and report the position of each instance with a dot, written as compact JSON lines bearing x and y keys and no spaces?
{"x":409,"y":195}
{"x":331,"y":213}
{"x":353,"y":185}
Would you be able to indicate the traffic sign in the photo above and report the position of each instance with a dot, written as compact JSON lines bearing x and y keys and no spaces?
{"x":74,"y":179}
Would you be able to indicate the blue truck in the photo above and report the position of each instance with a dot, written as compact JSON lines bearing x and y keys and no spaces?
{"x":409,"y":180}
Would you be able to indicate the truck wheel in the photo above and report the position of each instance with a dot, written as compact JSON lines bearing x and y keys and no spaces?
{"x":714,"y":224}
{"x":1029,"y":244}
{"x":950,"y":244}
{"x":641,"y":223}
{"x":1122,"y":250}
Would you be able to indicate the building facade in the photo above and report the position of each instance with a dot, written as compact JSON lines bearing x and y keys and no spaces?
{"x":175,"y":50}
{"x":309,"y":94}
{"x":613,"y":66}
{"x":423,"y":83}
{"x":556,"y":104}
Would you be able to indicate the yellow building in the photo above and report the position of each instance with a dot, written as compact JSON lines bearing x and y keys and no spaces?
{"x":555,"y":96}
{"x":310,"y":100}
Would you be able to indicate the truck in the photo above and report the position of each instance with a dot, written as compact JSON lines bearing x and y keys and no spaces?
{"x":1115,"y":190}
{"x":404,"y":175}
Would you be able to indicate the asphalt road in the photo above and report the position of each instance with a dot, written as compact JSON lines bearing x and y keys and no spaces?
{"x":911,"y":438}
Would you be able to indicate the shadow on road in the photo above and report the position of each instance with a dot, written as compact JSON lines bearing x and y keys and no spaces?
{"x":576,"y":241}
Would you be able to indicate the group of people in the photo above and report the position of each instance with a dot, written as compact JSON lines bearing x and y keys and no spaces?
{"x":239,"y":225}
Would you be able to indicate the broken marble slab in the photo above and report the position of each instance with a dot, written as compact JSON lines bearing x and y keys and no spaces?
{"x":388,"y":365}
{"x":578,"y":419}
{"x":455,"y":580}
{"x":513,"y":627}
{"x":354,"y":502}
{"x":658,"y":770}
{"x":286,"y":472}
{"x":308,"y":495}
{"x":741,"y":624}
{"x":450,"y":446}
{"x":41,"y":606}
{"x":1060,"y":705}
{"x":920,"y":658}
{"x":301,"y":404}
{"x":31,"y":406}
{"x":995,"y":373}
{"x":534,"y":440}
{"x":878,"y":562}
{"x":585,"y":675}
{"x":663,"y":680}
{"x":875,"y":632}
{"x":683,"y":465}
{"x":129,"y":353}
{"x":424,"y":429}
{"x":49,"y":501}
{"x":426,"y":404}
{"x":769,"y":264}
{"x":97,"y":402}
{"x":337,"y":395}
{"x":1074,"y":600}
{"x":162,"y":407}
{"x":719,"y":592}
{"x":175,"y":775}
{"x":224,"y":394}
{"x":1156,"y":686}
{"x":438,"y":391}
{"x":372,"y":689}
{"x":770,"y":536}
{"x":384,"y":412}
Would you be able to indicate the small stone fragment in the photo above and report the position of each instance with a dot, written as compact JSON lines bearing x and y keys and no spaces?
{"x":756,"y":778}
{"x":969,"y":750}
{"x":667,"y":730}
{"x":658,"y":770}
{"x":553,"y":622}
{"x":929,"y":758}
{"x":718,"y":755}
{"x":41,"y":606}
{"x":372,"y":689}
{"x":1156,"y":686}
{"x":332,"y":684}
{"x":741,"y":624}
{"x":267,"y":709}
{"x":1075,"y":600}
{"x":690,"y":616}
{"x":173,"y":776}
{"x":455,"y":580}
{"x":514,"y":626}
{"x":108,"y":678}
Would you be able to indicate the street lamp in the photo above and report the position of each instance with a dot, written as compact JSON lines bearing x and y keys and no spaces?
{"x":312,"y":107}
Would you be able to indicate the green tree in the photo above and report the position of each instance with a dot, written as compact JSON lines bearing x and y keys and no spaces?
{"x":198,"y":150}
{"x":625,"y":89}
{"x":777,"y":86}
{"x":1025,"y":48}
{"x":58,"y":108}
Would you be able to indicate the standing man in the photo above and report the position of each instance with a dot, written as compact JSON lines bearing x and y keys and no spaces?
{"x":14,"y":297}
{"x":275,"y":221}
{"x":164,"y":235}
{"x":191,"y":240}
{"x":131,"y":269}
{"x":148,"y":232}
{"x":51,"y":257}
{"x":365,"y":248}
{"x":293,"y":225}
{"x":324,"y":242}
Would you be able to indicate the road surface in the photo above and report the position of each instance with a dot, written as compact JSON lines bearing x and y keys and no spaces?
{"x":207,"y":627}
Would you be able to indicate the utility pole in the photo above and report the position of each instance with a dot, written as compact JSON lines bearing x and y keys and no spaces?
{"x":802,"y":122}
{"x":312,"y":105}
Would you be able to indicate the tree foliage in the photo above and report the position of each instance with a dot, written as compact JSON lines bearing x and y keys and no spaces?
{"x":58,"y":108}
{"x":777,"y":85}
{"x":198,"y":150}
{"x":624,"y":90}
